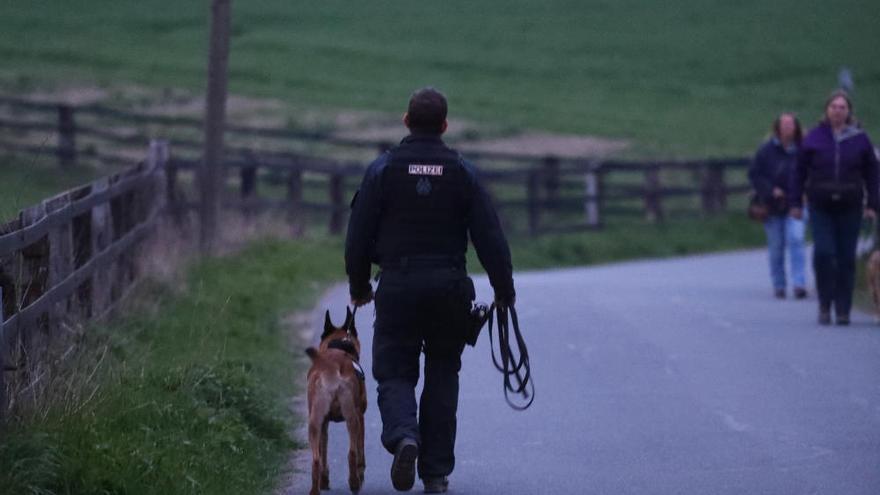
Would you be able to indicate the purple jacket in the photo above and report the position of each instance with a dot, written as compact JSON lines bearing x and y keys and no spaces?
{"x":835,"y":169}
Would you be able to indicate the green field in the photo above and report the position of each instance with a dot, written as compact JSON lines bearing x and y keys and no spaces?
{"x":680,"y":78}
{"x":25,"y":181}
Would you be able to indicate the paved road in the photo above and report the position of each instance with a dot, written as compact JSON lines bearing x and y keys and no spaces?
{"x":659,"y":377}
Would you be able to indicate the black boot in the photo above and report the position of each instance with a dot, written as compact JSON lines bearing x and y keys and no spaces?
{"x":438,"y":484}
{"x":403,"y":468}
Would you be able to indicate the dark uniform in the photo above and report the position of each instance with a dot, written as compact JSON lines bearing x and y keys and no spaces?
{"x":412,"y":215}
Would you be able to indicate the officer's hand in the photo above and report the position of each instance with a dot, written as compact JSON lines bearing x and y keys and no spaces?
{"x":796,"y":213}
{"x":505,"y":303}
{"x":362,"y":301}
{"x":870,"y":214}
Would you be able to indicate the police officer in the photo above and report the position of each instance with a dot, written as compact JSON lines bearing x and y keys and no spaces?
{"x":412,"y":216}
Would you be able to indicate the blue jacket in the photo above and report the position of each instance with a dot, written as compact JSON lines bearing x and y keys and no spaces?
{"x":772,"y":167}
{"x":374,"y":235}
{"x":833,"y":169}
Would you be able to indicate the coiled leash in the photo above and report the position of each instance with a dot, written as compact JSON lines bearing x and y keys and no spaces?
{"x":507,"y":362}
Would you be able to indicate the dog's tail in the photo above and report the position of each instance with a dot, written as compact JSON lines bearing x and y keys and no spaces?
{"x":312,"y":353}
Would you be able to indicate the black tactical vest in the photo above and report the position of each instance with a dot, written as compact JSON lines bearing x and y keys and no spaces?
{"x":425,"y":193}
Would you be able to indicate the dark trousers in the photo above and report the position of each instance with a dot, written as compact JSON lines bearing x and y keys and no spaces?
{"x":835,"y":234}
{"x":420,"y":311}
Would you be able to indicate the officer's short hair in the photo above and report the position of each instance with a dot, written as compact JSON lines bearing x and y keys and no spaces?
{"x":427,"y":110}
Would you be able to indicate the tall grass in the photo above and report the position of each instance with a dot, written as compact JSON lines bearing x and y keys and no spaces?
{"x":185,"y":394}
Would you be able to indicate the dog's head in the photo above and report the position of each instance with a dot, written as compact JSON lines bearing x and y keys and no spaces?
{"x":344,"y":338}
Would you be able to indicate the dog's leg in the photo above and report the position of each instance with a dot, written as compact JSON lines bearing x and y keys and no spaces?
{"x":315,"y":444}
{"x":318,"y":412}
{"x":354,"y":424}
{"x":875,"y":292}
{"x":362,"y":409}
{"x":362,"y":458}
{"x":325,"y":474}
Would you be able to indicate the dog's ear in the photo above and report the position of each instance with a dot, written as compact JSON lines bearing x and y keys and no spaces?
{"x":349,"y":321}
{"x":328,"y":325}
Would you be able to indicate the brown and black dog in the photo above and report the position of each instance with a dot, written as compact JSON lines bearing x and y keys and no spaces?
{"x":873,"y":273}
{"x":336,"y":392}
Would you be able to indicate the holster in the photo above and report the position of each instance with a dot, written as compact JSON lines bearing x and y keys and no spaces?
{"x":476,"y":321}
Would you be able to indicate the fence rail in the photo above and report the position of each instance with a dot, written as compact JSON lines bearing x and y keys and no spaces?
{"x":535,"y":195}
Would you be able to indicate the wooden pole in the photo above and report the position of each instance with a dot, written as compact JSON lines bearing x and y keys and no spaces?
{"x":215,"y":117}
{"x":534,"y":202}
{"x":101,"y":237}
{"x":653,"y":197}
{"x":60,"y":264}
{"x":66,"y":136}
{"x":4,"y":402}
{"x":591,"y":203}
{"x":294,"y":203}
{"x":248,"y":180}
{"x":157,"y":162}
{"x":551,"y":179}
{"x":720,"y":188}
{"x":34,"y":278}
{"x":337,"y":211}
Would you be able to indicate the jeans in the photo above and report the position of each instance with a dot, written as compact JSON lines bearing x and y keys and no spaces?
{"x":420,"y":312}
{"x":784,"y":231}
{"x":835,"y":233}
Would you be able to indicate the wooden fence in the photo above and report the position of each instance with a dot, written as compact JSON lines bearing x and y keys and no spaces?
{"x":72,"y":257}
{"x":320,"y":172}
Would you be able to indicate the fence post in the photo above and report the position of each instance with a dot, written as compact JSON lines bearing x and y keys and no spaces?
{"x":550,"y":166}
{"x":60,"y":261}
{"x":101,"y":237}
{"x":720,"y":188}
{"x":66,"y":136}
{"x":158,"y":163}
{"x":653,"y":196}
{"x":706,"y":200}
{"x":34,"y":276}
{"x":713,"y":194}
{"x":532,"y":180}
{"x":4,"y":402}
{"x":591,"y":193}
{"x":294,"y":203}
{"x":248,"y":176}
{"x":337,"y":185}
{"x":173,"y":201}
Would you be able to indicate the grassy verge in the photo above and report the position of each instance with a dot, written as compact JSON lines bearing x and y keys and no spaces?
{"x":625,"y":240}
{"x":190,"y":395}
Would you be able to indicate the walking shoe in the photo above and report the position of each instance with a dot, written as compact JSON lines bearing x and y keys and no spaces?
{"x":842,"y":320}
{"x":800,"y":293}
{"x":824,"y":317}
{"x":436,"y":485}
{"x":779,"y":293}
{"x":403,"y":468}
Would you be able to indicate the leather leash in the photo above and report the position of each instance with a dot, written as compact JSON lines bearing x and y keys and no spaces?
{"x":514,"y":367}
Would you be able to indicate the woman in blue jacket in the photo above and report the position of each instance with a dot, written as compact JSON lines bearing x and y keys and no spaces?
{"x":769,"y":174}
{"x":837,"y":168}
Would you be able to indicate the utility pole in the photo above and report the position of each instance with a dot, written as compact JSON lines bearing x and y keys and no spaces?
{"x":211,"y":177}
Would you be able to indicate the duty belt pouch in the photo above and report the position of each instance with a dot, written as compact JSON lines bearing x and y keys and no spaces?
{"x":477,"y":318}
{"x":462,"y":297}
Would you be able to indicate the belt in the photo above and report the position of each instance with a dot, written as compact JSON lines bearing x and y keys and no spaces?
{"x":423,"y":262}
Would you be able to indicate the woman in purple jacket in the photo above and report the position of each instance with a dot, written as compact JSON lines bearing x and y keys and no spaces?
{"x":837,"y":168}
